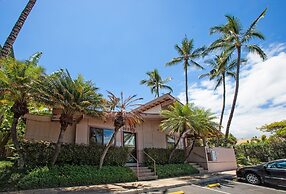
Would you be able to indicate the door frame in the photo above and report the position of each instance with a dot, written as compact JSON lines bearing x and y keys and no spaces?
{"x":135,"y":137}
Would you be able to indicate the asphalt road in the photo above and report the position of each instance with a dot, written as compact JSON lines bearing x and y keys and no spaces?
{"x":229,"y":187}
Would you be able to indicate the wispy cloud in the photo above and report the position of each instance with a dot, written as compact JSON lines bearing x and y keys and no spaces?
{"x":262,"y":94}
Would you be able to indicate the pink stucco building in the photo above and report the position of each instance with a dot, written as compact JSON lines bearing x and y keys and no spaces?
{"x":146,"y":135}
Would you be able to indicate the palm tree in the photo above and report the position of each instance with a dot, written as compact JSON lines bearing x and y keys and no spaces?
{"x":204,"y":126}
{"x":187,"y":55}
{"x":60,"y":90}
{"x":234,"y":38}
{"x":155,"y":82}
{"x":178,"y":119}
{"x":16,"y":78}
{"x":118,"y":111}
{"x":16,"y":29}
{"x":220,"y":69}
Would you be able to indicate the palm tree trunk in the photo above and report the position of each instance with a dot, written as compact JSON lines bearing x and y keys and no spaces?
{"x":16,"y":143}
{"x":16,"y":29}
{"x":223,"y":101}
{"x":175,"y":147}
{"x":3,"y":143}
{"x":157,"y":91}
{"x":59,"y":143}
{"x":190,"y":151}
{"x":107,"y":147}
{"x":235,"y":92}
{"x":186,"y":83}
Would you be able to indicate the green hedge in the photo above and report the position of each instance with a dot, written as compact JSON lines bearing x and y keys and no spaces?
{"x":68,"y":175}
{"x":174,"y":170}
{"x":161,"y":156}
{"x":41,"y":153}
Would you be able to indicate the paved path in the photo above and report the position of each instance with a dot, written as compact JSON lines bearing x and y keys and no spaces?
{"x":132,"y":187}
{"x":229,"y":187}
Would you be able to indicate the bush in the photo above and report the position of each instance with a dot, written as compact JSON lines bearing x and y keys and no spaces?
{"x":161,"y":156}
{"x":69,"y":175}
{"x":174,"y":170}
{"x":257,"y":152}
{"x":41,"y":153}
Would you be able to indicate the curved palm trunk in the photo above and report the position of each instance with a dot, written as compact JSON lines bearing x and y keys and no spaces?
{"x":59,"y":143}
{"x":107,"y":147}
{"x":175,"y":147}
{"x":223,"y":102}
{"x":186,"y":83}
{"x":16,"y":143}
{"x":235,"y":93}
{"x":190,"y":151}
{"x":16,"y":29}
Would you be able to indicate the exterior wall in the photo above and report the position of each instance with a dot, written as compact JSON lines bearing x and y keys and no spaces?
{"x":41,"y":128}
{"x":224,"y":158}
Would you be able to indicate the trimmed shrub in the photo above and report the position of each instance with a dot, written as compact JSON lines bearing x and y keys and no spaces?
{"x":41,"y":153}
{"x":69,"y":175}
{"x":174,"y":170}
{"x":161,"y":156}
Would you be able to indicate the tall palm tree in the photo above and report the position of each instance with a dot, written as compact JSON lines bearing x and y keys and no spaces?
{"x":60,"y":90}
{"x":16,"y":78}
{"x":187,"y":56}
{"x":16,"y":29}
{"x":118,"y":112}
{"x":220,"y":69}
{"x":232,"y":39}
{"x":155,"y":82}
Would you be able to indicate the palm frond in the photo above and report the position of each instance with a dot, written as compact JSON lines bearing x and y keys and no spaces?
{"x":256,"y":49}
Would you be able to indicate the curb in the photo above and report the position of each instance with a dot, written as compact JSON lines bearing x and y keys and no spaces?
{"x":195,"y":182}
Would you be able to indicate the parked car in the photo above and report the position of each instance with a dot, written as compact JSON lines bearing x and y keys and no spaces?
{"x":273,"y":172}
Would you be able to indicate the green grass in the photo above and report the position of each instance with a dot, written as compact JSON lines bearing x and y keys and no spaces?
{"x":175,"y":170}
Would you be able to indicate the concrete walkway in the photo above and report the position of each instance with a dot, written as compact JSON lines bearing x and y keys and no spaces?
{"x":135,"y":187}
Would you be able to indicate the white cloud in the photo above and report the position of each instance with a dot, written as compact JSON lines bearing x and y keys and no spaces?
{"x":262,"y":94}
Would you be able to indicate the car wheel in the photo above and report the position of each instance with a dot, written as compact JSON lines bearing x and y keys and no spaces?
{"x":252,"y":178}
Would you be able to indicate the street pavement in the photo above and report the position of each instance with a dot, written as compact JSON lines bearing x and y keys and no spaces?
{"x":228,"y":187}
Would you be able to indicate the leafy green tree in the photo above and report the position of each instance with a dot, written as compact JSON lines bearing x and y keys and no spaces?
{"x":16,"y":78}
{"x":187,"y":56}
{"x":232,"y":39}
{"x":118,"y":111}
{"x":155,"y":82}
{"x":16,"y":29}
{"x":277,"y":129}
{"x":72,"y":96}
{"x":221,"y":68}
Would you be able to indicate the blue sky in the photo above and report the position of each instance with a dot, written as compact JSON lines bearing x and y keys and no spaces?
{"x":114,"y":43}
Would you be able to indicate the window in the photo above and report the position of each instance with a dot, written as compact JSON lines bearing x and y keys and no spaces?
{"x":170,"y":142}
{"x":100,"y":136}
{"x":280,"y":165}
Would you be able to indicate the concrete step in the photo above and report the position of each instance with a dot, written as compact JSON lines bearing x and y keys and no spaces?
{"x":140,"y":168}
{"x":146,"y":178}
{"x":145,"y":174}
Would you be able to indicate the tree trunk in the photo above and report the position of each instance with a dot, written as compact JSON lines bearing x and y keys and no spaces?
{"x":16,"y":143}
{"x":16,"y":29}
{"x":175,"y":147}
{"x":223,"y":101}
{"x":157,"y":90}
{"x":107,"y":147}
{"x":3,"y":143}
{"x":235,"y":93}
{"x":186,"y":83}
{"x":190,"y":151}
{"x":59,"y":143}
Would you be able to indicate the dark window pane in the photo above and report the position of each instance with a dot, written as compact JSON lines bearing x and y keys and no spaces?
{"x":96,"y":135}
{"x":170,"y":142}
